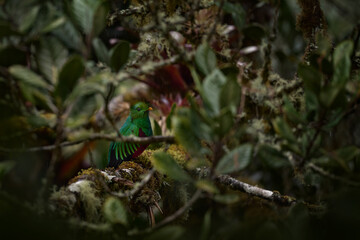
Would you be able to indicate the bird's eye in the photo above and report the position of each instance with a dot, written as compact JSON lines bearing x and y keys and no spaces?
{"x":138,"y":109}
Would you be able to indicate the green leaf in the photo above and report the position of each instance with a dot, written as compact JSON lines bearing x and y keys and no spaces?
{"x":291,"y":113}
{"x":206,"y":226}
{"x":166,"y":164}
{"x":115,"y":212}
{"x":227,"y":198}
{"x":84,"y":12}
{"x":205,"y":59}
{"x":169,"y":233}
{"x":311,"y":77}
{"x":5,"y":167}
{"x":342,"y":62}
{"x":99,"y":20}
{"x":236,"y":160}
{"x":283,"y":129}
{"x":119,"y":55}
{"x":212,"y":86}
{"x":54,"y":24}
{"x":101,"y":51}
{"x":157,"y":128}
{"x":225,"y":123}
{"x":50,"y":56}
{"x":272,"y":158}
{"x":189,"y":129}
{"x":70,"y":36}
{"x":207,"y":186}
{"x":230,"y":95}
{"x":237,"y":12}
{"x":169,"y":117}
{"x":27,"y":76}
{"x":29,"y":18}
{"x":69,"y":75}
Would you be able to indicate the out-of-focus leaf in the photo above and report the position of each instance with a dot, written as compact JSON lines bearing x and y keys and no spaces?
{"x":236,"y":160}
{"x":207,"y":186}
{"x":27,"y":76}
{"x":169,"y":233}
{"x":69,"y":75}
{"x":115,"y":212}
{"x":5,"y":167}
{"x":206,"y":226}
{"x":291,"y":113}
{"x":342,"y":62}
{"x":312,"y":78}
{"x":101,"y":51}
{"x":157,"y":128}
{"x":50,"y":57}
{"x":70,"y":36}
{"x":84,"y":12}
{"x":283,"y":129}
{"x":166,"y":164}
{"x":226,"y":122}
{"x":205,"y":59}
{"x":54,"y":24}
{"x":29,"y":18}
{"x":11,"y":56}
{"x":230,"y":95}
{"x":119,"y":55}
{"x":342,"y":67}
{"x":182,"y":127}
{"x":169,"y":117}
{"x":99,"y":20}
{"x":344,"y":155}
{"x":227,"y":198}
{"x":212,"y":86}
{"x":237,"y":12}
{"x":312,"y":105}
{"x":272,"y":157}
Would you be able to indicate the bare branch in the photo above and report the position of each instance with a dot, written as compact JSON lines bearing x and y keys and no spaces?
{"x":332,"y":176}
{"x":255,"y":191}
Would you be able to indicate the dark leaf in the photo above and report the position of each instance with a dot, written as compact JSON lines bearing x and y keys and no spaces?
{"x":115,"y":212}
{"x":205,"y":59}
{"x":236,"y":160}
{"x":166,"y":164}
{"x":69,"y":75}
{"x":119,"y":55}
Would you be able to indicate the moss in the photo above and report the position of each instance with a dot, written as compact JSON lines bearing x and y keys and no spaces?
{"x":86,"y":193}
{"x":311,"y":18}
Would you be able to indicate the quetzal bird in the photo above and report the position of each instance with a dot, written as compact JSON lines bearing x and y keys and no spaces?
{"x":137,"y":124}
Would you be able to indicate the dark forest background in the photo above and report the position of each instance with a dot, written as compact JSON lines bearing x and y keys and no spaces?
{"x":256,"y":119}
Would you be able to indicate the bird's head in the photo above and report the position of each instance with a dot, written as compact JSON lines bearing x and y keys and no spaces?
{"x":139,"y":110}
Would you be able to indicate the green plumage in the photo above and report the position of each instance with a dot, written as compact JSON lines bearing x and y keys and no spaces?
{"x":137,"y":124}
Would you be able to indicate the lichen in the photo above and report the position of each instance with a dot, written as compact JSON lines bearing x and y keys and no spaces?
{"x":86,"y":193}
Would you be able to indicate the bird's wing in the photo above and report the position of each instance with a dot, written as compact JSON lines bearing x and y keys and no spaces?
{"x":122,"y":151}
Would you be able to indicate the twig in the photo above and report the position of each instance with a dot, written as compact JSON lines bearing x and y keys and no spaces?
{"x":106,"y":109}
{"x":137,"y":187}
{"x":176,"y":214}
{"x":332,"y":176}
{"x":56,"y":155}
{"x":255,"y":191}
{"x":140,"y":140}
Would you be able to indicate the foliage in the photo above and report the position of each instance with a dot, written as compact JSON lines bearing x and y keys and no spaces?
{"x":241,"y":92}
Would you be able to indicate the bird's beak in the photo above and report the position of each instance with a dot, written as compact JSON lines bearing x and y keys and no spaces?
{"x":150,"y":109}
